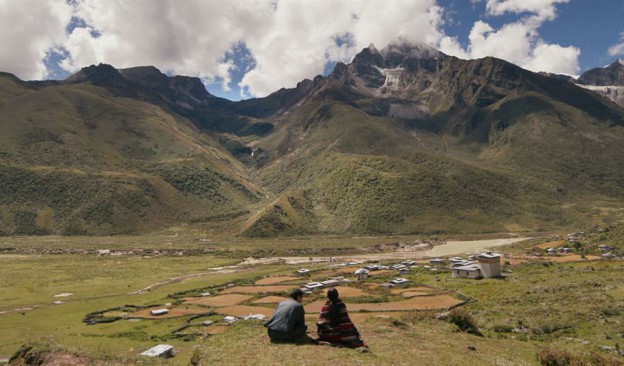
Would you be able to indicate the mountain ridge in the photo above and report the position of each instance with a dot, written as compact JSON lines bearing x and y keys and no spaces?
{"x":401,"y":140}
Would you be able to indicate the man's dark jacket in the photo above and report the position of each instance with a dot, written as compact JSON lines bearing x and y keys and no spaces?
{"x":288,"y":321}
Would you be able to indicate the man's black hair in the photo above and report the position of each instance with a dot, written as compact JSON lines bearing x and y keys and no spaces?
{"x":295,"y":293}
{"x":332,"y":294}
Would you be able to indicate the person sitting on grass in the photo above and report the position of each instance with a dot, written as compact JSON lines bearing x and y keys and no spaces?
{"x":288,"y":321}
{"x":335,"y":326}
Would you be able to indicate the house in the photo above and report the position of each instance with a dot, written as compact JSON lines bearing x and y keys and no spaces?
{"x":313,"y":285}
{"x":399,"y":281}
{"x":436,"y":261}
{"x":608,"y":256}
{"x":408,"y":263}
{"x":362,"y":274}
{"x":488,"y":266}
{"x":330,"y":283}
{"x":157,"y":312}
{"x":468,"y":271}
{"x":604,"y":247}
{"x":303,"y":271}
{"x":162,"y":350}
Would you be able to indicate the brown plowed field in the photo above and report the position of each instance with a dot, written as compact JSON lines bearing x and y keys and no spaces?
{"x":408,"y":294}
{"x":269,"y":300}
{"x":398,"y":291}
{"x":244,"y":310}
{"x":276,"y":279}
{"x":358,"y":317}
{"x":258,"y":289}
{"x":572,"y":258}
{"x":415,"y":303}
{"x":219,"y":301}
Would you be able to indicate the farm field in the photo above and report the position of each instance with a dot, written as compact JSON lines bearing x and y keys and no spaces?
{"x":571,"y":302}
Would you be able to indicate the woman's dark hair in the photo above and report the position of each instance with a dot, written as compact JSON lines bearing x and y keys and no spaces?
{"x":332,"y":294}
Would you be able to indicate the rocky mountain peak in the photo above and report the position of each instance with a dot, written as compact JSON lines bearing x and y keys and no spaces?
{"x":612,"y":74}
{"x":96,"y":74}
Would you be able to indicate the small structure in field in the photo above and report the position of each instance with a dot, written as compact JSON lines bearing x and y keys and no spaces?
{"x":162,"y":350}
{"x":303,"y":271}
{"x":490,"y":264}
{"x":399,"y":281}
{"x":466,"y":271}
{"x":313,"y":285}
{"x":330,"y":283}
{"x":157,"y":312}
{"x":362,"y":274}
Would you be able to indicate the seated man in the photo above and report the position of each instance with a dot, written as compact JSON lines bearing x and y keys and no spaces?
{"x":334,"y":325}
{"x":288,"y":321}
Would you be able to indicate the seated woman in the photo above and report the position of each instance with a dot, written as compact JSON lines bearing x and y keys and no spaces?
{"x":334,"y":325}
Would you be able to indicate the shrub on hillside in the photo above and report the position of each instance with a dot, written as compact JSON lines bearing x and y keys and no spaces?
{"x":464,"y":321}
{"x":551,"y":356}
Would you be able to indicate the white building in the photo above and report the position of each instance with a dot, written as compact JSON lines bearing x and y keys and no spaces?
{"x":488,"y":267}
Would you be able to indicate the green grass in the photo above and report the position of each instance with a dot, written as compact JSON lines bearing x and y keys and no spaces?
{"x":554,"y":304}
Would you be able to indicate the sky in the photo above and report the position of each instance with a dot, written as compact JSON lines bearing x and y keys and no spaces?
{"x":251,"y":48}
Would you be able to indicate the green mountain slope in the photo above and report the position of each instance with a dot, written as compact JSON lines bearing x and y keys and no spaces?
{"x":402,"y":140}
{"x":75,"y":159}
{"x":452,"y":146}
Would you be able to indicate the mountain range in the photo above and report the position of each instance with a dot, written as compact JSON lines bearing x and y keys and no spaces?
{"x":402,"y":140}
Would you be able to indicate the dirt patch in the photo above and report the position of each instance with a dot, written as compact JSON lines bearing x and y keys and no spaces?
{"x":415,"y":303}
{"x":315,"y":307}
{"x":244,"y":310}
{"x":257,"y":289}
{"x":219,"y":301}
{"x":174,"y":312}
{"x":214,"y":330}
{"x":269,"y":300}
{"x":350,"y":291}
{"x":357,"y":318}
{"x":398,"y":291}
{"x":551,"y":244}
{"x":275,"y":280}
{"x":409,"y":294}
{"x":572,"y":258}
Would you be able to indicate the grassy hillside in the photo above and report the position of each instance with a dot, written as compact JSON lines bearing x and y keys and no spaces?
{"x":74,"y":159}
{"x":336,"y":169}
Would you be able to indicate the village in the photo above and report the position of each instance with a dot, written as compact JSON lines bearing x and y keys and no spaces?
{"x":372,"y":289}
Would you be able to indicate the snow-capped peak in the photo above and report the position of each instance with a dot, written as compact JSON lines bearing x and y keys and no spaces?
{"x":620,"y":61}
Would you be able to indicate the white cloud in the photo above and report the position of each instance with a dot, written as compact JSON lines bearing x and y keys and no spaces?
{"x":542,"y":9}
{"x":30,"y":29}
{"x":300,"y":38}
{"x":289,"y":40}
{"x":618,"y":48}
{"x":517,"y":42}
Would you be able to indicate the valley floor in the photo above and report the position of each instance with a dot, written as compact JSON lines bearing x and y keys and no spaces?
{"x":573,"y":304}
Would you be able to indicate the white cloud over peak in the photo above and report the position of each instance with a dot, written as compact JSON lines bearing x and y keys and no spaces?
{"x":287,"y":40}
{"x":618,"y":48}
{"x":517,"y":42}
{"x":29,"y":30}
{"x":542,"y":9}
{"x":301,"y":36}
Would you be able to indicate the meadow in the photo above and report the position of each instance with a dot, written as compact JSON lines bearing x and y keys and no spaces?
{"x":572,"y":309}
